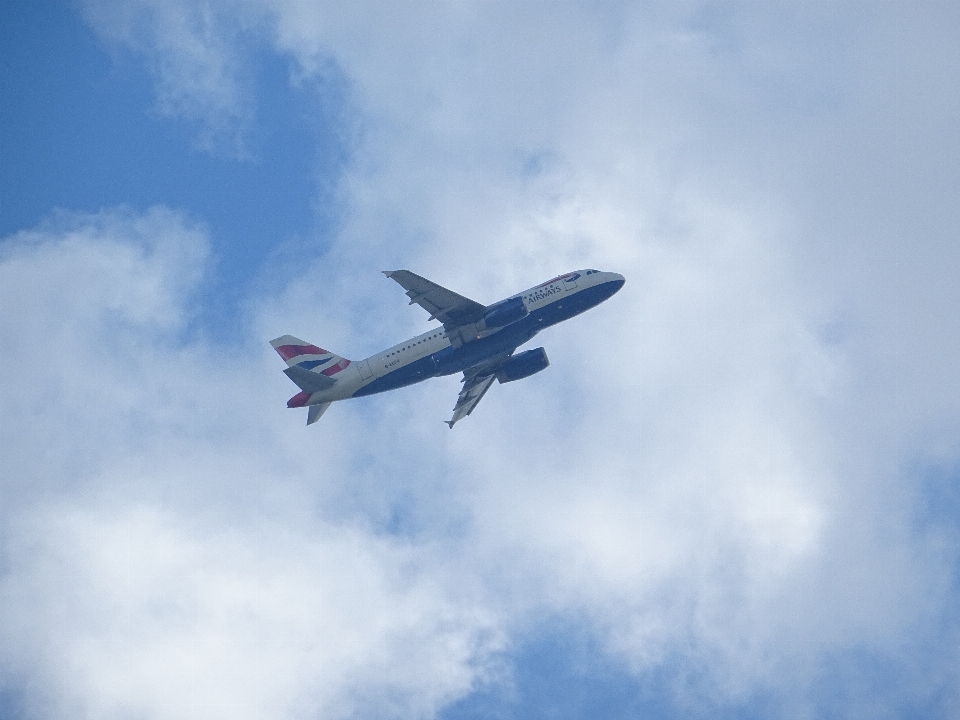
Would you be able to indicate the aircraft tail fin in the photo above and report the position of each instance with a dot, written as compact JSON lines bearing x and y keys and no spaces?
{"x":305,"y":360}
{"x":312,"y":368}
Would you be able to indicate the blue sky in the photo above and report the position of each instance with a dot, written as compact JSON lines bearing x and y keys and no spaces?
{"x":83,"y":133}
{"x":733,"y":493}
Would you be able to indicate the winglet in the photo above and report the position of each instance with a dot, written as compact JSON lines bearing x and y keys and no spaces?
{"x":388,"y":273}
{"x":450,"y":423}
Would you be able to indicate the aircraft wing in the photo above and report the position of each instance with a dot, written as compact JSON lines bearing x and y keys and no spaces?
{"x":448,"y":307}
{"x":476,"y":381}
{"x":472,"y":392}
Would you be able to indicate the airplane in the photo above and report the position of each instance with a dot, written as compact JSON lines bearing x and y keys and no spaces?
{"x":475,"y":339}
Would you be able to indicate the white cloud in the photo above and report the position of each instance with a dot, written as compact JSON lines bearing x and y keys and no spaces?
{"x":696,"y":471}
{"x":718,"y":465}
{"x":130,"y":610}
{"x":165,"y":552}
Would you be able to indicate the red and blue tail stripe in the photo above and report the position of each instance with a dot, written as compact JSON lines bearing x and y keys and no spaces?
{"x":308,"y":356}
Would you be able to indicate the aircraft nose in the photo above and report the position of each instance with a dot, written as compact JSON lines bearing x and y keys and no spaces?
{"x":618,"y":280}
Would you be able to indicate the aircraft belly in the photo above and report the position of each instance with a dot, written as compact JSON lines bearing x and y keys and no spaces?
{"x":408,"y":374}
{"x":453,"y":360}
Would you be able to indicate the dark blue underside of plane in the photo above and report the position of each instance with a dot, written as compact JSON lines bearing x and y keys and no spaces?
{"x":450,"y":360}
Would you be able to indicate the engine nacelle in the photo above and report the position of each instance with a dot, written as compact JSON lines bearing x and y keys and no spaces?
{"x":504,"y":313}
{"x":523,"y":365}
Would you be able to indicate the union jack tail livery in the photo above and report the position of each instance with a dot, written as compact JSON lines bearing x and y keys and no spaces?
{"x":312,"y":368}
{"x":308,"y":356}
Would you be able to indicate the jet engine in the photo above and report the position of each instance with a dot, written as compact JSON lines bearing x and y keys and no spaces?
{"x":504,"y":313}
{"x":523,"y":365}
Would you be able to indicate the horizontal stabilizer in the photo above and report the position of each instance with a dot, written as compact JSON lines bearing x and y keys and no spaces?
{"x":315,"y":411}
{"x":308,"y":380}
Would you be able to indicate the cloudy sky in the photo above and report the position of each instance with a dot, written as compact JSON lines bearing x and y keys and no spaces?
{"x":734,"y":493}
